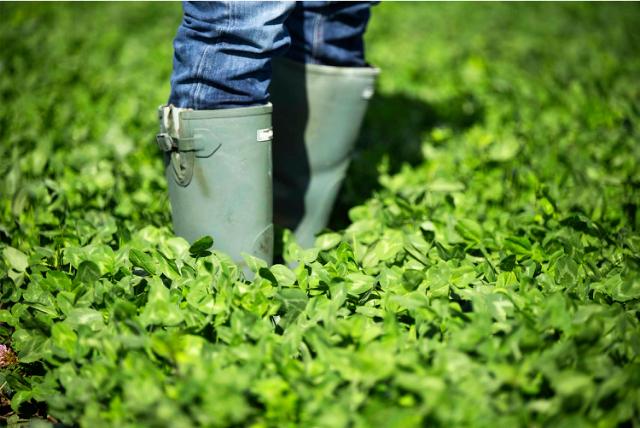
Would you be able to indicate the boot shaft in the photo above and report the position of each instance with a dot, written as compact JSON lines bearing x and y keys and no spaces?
{"x":218,"y":168}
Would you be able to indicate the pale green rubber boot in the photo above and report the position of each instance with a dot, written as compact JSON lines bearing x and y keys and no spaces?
{"x":317,"y":114}
{"x":218,"y":168}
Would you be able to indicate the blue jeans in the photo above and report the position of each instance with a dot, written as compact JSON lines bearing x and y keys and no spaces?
{"x":223,"y":50}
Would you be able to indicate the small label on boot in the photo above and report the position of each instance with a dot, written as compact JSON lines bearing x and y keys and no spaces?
{"x":265,"y":134}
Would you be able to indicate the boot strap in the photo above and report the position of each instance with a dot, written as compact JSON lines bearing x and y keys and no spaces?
{"x":182,"y":150}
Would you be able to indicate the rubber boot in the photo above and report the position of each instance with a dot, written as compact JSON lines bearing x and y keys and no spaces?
{"x":218,"y":168}
{"x":318,"y":111}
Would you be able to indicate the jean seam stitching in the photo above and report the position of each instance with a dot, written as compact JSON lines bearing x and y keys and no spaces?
{"x":317,"y":38}
{"x":199,"y":73}
{"x":195,"y":93}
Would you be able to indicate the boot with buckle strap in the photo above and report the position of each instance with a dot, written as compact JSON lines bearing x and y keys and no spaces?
{"x":218,"y":168}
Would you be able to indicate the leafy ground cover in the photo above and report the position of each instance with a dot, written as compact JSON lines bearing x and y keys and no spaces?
{"x":484,"y":271}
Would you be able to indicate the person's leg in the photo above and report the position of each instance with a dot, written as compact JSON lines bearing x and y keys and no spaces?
{"x":320,"y":92}
{"x":223,"y":51}
{"x":329,"y":33}
{"x":216,"y":130}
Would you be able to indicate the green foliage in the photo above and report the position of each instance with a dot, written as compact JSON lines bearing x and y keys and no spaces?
{"x":491,"y":279}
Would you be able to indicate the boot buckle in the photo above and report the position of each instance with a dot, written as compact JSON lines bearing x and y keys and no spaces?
{"x":165,"y":142}
{"x":181,"y":150}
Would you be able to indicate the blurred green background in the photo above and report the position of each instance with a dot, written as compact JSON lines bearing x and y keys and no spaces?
{"x":81,"y":82}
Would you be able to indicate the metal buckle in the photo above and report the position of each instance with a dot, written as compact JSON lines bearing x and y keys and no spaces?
{"x":165,"y":142}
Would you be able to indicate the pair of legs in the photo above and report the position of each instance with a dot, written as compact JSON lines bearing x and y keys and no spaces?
{"x":223,"y":50}
{"x":240,"y":67}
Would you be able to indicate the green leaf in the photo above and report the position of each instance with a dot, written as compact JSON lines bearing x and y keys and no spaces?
{"x":508,"y":263}
{"x":200,"y":295}
{"x":412,"y":279}
{"x":428,"y":231}
{"x":59,"y":281}
{"x":469,"y":229}
{"x":160,"y":309}
{"x":19,"y":398}
{"x":503,"y":150}
{"x":294,"y":301}
{"x":566,"y":271}
{"x":618,"y":288}
{"x":570,"y":383}
{"x":388,"y":248}
{"x":283,"y":275}
{"x":142,"y":260}
{"x":88,"y":272}
{"x":64,"y":339}
{"x":16,"y":259}
{"x":358,"y":283}
{"x":201,"y":246}
{"x":31,"y":345}
{"x":265,"y":273}
{"x":327,"y":241}
{"x":254,"y":263}
{"x":518,"y":244}
{"x":87,"y":317}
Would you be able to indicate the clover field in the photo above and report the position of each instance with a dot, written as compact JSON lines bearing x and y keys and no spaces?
{"x":482,"y":267}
